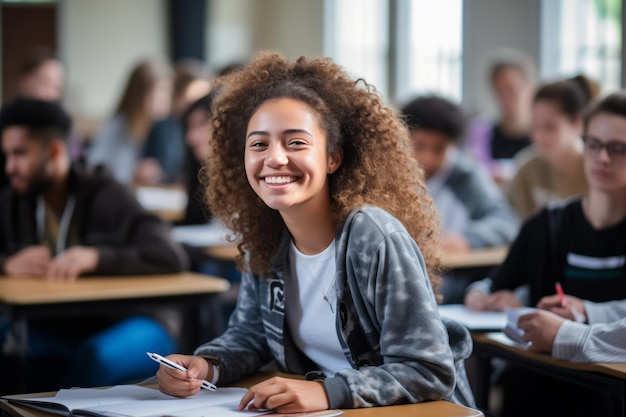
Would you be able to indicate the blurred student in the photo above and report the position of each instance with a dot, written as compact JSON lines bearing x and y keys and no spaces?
{"x":553,"y":329}
{"x":474,"y":212}
{"x":41,"y":75}
{"x":61,"y":220}
{"x":580,"y":243}
{"x":512,"y":80}
{"x":555,"y":170}
{"x":198,"y":132}
{"x":120,"y":142}
{"x":165,"y":143}
{"x":291,"y":171}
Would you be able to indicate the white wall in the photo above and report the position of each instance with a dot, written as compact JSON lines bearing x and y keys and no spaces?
{"x":489,"y":26}
{"x":99,"y":54}
{"x":238,"y":28}
{"x":100,"y":42}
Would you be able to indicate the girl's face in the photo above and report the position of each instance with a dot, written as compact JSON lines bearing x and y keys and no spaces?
{"x":605,"y":153}
{"x":159,"y":100}
{"x":511,"y":89}
{"x":285,"y":156}
{"x":198,"y":133}
{"x":553,"y":131}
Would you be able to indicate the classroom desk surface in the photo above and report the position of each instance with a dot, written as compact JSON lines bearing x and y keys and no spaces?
{"x":24,"y":299}
{"x":606,"y":377}
{"x":30,"y":292}
{"x":430,"y":409}
{"x":475,"y":258}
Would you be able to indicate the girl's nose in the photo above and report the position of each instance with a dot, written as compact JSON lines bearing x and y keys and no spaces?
{"x":277,"y":156}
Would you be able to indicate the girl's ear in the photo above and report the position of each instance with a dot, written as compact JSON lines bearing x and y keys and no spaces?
{"x":334,"y":161}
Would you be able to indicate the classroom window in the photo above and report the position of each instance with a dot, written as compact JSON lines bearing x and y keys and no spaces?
{"x":582,"y":36}
{"x":430,"y":48}
{"x":356,"y":37}
{"x":403,"y":47}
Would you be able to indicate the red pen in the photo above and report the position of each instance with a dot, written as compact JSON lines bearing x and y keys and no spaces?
{"x":559,"y":291}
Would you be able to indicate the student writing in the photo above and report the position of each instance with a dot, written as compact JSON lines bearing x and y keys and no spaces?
{"x":314,"y":173}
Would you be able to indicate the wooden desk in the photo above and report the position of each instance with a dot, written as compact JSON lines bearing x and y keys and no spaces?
{"x":476,"y":258}
{"x":430,"y":409}
{"x":24,"y":299}
{"x":606,"y":377}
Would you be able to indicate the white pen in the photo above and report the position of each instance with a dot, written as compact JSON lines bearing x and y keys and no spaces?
{"x":160,"y":359}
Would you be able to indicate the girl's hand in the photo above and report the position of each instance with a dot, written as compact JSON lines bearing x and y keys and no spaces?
{"x":184,"y":384}
{"x":285,"y":395}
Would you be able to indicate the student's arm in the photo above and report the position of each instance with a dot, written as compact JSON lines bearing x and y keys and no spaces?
{"x":579,"y":342}
{"x":242,"y":349}
{"x":417,"y":362}
{"x":492,"y":220}
{"x":605,"y":312}
{"x":130,"y":241}
{"x":602,"y":342}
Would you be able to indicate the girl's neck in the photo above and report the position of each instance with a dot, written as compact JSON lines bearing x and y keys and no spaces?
{"x":515,"y":124}
{"x":604,"y":209}
{"x":312,"y":230}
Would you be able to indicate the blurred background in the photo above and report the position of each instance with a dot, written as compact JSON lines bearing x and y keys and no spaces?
{"x":403,"y":47}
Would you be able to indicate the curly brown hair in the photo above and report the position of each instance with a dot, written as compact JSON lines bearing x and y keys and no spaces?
{"x":377,"y":169}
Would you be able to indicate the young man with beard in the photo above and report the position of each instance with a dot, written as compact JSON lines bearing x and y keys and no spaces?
{"x":61,"y":220}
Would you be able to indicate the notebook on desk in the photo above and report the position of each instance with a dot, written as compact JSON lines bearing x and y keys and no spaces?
{"x":139,"y":401}
{"x":479,"y":321}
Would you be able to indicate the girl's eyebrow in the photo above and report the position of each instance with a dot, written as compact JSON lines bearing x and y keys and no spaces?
{"x":288,"y":132}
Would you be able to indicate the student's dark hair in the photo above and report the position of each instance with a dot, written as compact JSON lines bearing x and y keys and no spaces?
{"x":572,"y":96}
{"x":435,"y":113}
{"x":614,"y":104}
{"x":377,"y":168}
{"x":203,"y":103}
{"x":34,"y":59}
{"x":44,"y":119}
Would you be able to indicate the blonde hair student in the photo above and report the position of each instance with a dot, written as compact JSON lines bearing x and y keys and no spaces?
{"x":314,"y":175}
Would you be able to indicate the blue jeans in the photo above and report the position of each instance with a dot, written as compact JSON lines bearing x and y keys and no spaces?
{"x":116,"y":354}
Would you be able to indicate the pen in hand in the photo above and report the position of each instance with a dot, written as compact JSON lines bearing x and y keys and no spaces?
{"x":164,"y":361}
{"x":559,"y":291}
{"x":578,"y":316}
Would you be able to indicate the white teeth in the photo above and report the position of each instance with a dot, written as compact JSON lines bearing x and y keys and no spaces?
{"x":279,"y":180}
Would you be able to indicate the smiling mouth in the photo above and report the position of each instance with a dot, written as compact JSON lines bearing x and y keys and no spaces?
{"x":279,"y":180}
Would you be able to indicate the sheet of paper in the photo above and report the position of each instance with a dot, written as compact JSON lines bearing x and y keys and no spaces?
{"x":139,"y":401}
{"x":156,"y":198}
{"x":511,"y":330}
{"x":474,"y":320}
{"x":202,"y":235}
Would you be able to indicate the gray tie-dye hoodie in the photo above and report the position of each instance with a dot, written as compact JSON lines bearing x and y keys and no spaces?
{"x":388,"y":323}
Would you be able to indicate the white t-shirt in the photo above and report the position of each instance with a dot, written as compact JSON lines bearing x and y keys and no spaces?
{"x":310,"y":318}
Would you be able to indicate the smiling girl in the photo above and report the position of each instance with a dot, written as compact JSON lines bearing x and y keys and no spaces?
{"x":314,"y":175}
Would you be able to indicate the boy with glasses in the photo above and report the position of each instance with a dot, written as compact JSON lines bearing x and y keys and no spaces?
{"x":580,"y":243}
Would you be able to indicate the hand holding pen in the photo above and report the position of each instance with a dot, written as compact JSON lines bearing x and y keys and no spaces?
{"x":566,"y":306}
{"x":186,"y":384}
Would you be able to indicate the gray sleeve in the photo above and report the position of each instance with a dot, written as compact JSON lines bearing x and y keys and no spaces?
{"x":242,"y":349}
{"x":418,"y":364}
{"x":492,"y":221}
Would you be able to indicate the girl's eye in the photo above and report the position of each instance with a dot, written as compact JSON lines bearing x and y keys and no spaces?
{"x":297,"y":142}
